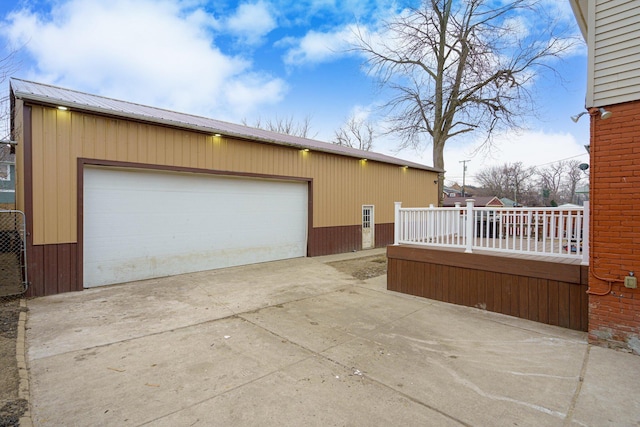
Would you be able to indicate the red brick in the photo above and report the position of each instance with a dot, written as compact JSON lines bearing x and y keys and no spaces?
{"x":615,"y":149}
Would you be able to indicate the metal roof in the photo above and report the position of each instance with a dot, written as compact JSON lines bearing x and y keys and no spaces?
{"x":57,"y":96}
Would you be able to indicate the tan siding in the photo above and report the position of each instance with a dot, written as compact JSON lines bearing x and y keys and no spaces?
{"x":64,"y":164}
{"x":341,"y":185}
{"x":19,"y":138}
{"x":616,"y":53}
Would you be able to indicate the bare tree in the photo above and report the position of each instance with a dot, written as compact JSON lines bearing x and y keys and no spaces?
{"x":494,"y":181}
{"x":286,"y":125}
{"x":8,"y":66}
{"x":554,"y":184}
{"x":559,"y":181}
{"x":511,"y":180}
{"x":573,"y":178}
{"x":461,"y":66}
{"x":550,"y":179}
{"x":355,"y":133}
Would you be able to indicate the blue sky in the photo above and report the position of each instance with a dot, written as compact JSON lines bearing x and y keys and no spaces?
{"x":235,"y":60}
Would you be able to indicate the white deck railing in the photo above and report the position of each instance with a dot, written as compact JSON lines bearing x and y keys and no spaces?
{"x":554,"y":232}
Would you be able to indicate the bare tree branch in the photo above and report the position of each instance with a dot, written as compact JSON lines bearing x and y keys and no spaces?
{"x":355,"y":133}
{"x":457,"y":66}
{"x":286,"y":125}
{"x":9,"y":64}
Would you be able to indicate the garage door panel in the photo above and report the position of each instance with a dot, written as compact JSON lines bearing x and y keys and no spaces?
{"x":140,"y":224}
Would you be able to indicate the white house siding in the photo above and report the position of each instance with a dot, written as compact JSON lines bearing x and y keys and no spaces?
{"x":614,"y":52}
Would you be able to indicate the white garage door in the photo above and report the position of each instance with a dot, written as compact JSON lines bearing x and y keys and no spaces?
{"x":142,"y":224}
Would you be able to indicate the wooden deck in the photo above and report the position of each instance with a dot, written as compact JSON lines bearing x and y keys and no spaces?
{"x":539,"y":288}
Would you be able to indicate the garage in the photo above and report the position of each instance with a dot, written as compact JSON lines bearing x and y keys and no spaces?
{"x":140,"y":224}
{"x":115,"y":191}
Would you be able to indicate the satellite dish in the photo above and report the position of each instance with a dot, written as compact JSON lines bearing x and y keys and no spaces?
{"x":583,"y":166}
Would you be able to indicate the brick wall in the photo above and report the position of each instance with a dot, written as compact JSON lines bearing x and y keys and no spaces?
{"x":614,"y":318}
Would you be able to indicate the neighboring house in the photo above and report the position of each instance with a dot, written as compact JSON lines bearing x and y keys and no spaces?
{"x":115,"y":192}
{"x":7,"y":178}
{"x":582,"y":194}
{"x":451,"y":192}
{"x":486,"y":201}
{"x":612,"y":32}
{"x":508,"y":203}
{"x":469,"y":190}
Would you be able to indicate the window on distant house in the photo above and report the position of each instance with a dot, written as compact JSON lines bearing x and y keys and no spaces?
{"x":5,"y":172}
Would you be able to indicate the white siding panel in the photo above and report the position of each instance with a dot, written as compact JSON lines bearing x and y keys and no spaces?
{"x":613,"y":10}
{"x":616,"y":52}
{"x":619,"y":84}
{"x":615,"y":34}
{"x":613,"y":75}
{"x":140,"y":224}
{"x":617,"y":65}
{"x":630,"y":55}
{"x":610,"y":45}
{"x":606,"y":8}
{"x":619,"y":99}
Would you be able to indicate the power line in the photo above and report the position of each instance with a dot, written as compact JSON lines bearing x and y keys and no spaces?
{"x":561,"y":160}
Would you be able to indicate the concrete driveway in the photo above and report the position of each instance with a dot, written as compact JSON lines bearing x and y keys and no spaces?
{"x":296,"y":343}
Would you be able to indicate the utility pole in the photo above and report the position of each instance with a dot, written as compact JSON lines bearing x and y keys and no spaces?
{"x":464,"y":174}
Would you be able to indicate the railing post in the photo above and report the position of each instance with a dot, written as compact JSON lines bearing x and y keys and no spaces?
{"x":585,"y":234}
{"x":431,"y":220}
{"x":469,"y":226}
{"x":396,"y":224}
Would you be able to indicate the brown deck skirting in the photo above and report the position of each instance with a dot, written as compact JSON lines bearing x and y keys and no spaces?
{"x":542,"y":291}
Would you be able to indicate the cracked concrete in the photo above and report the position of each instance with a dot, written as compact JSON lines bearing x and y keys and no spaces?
{"x":298,"y":343}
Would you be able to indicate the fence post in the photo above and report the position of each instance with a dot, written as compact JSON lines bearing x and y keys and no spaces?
{"x":469,"y":226}
{"x":585,"y":233}
{"x":396,"y":224}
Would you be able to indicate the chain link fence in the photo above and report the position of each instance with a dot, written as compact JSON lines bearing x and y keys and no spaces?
{"x":13,"y":255}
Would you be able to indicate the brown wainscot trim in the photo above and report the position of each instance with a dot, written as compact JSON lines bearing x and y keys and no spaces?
{"x":348,"y":238}
{"x":52,"y":269}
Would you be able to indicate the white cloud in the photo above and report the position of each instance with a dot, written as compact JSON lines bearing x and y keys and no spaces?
{"x":153,"y":52}
{"x":317,"y":47}
{"x":251,"y":90}
{"x":251,"y":22}
{"x":532,"y":148}
{"x":361,"y":113}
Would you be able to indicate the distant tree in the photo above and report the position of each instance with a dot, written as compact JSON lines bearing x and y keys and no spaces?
{"x":511,"y":180}
{"x":460,"y":66}
{"x":573,"y":178}
{"x":355,"y":133}
{"x":549,"y":186}
{"x":8,"y":65}
{"x":559,"y":181}
{"x":550,"y":179}
{"x":286,"y":125}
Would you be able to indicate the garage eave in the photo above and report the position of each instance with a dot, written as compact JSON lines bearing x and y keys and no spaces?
{"x":59,"y":97}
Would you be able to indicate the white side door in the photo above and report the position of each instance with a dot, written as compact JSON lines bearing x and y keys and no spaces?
{"x":368,"y":227}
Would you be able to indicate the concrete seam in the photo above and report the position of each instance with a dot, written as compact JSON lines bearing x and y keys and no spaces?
{"x":23,"y":371}
{"x":335,"y":362}
{"x":576,"y":394}
{"x":226,"y":391}
{"x":233,"y":315}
